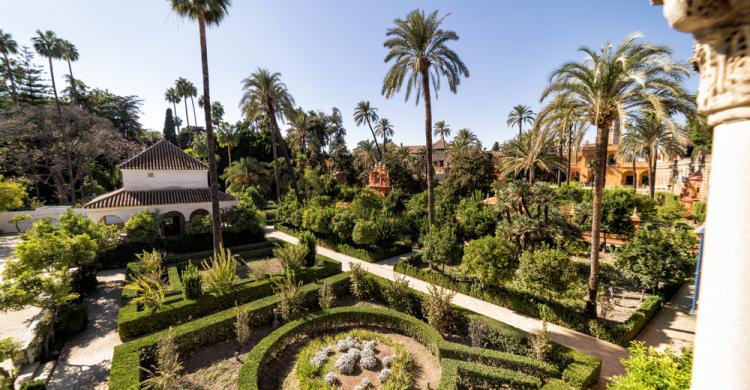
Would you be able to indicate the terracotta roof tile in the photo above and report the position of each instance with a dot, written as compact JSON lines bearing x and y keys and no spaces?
{"x":122,"y":198}
{"x":163,"y":155}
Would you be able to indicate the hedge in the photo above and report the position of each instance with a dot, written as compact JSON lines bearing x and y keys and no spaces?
{"x":129,"y":357}
{"x":365,"y":254}
{"x":456,"y":374}
{"x":179,"y":309}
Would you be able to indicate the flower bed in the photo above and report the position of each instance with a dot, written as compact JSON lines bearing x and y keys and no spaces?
{"x":364,"y":254}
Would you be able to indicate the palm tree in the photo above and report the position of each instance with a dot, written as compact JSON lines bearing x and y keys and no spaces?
{"x":47,"y":44}
{"x":209,"y":12}
{"x":244,"y":174}
{"x":562,"y":114}
{"x":191,"y":93}
{"x":9,"y":46}
{"x":611,"y":84}
{"x":442,"y":130}
{"x":182,"y":86}
{"x":266,"y":97}
{"x":299,"y":132}
{"x":519,"y":115}
{"x":364,"y":155}
{"x":172,"y":96}
{"x":465,"y":138}
{"x":70,"y":54}
{"x":651,"y":138}
{"x":365,"y":113}
{"x":227,"y":137}
{"x":417,"y":45}
{"x":529,"y":152}
{"x":384,"y":128}
{"x":630,"y":151}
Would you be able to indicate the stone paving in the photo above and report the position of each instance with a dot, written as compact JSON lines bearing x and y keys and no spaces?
{"x":87,"y":357}
{"x":673,"y":326}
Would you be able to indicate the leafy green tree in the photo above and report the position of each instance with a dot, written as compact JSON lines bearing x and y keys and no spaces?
{"x":441,"y":246}
{"x":647,"y":368}
{"x":342,"y":224}
{"x":489,"y":259}
{"x":618,"y":205}
{"x":307,"y":240}
{"x":365,"y":232}
{"x":12,"y":194}
{"x":18,"y":219}
{"x":549,"y":272}
{"x":144,"y":226}
{"x":32,"y":89}
{"x":700,"y":134}
{"x":475,"y":218}
{"x":366,"y":113}
{"x":365,"y":203}
{"x":209,"y":12}
{"x":564,"y":116}
{"x":519,"y":115}
{"x":658,"y":257}
{"x":318,"y":219}
{"x":471,"y":171}
{"x":639,"y":77}
{"x":418,"y":47}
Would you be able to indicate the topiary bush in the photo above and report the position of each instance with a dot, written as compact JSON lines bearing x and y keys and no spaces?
{"x":192,"y":281}
{"x":491,"y":260}
{"x":547,"y":272}
{"x":308,"y":241}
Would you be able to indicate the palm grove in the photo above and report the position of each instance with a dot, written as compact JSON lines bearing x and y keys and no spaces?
{"x":59,"y":145}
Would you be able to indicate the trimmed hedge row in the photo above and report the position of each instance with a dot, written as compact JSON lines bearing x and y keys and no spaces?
{"x":368,"y":255}
{"x":502,"y":373}
{"x":626,"y":332}
{"x":126,"y":372}
{"x":457,"y":374}
{"x":132,"y":323}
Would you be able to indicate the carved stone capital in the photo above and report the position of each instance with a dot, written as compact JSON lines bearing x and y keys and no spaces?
{"x":722,"y":53}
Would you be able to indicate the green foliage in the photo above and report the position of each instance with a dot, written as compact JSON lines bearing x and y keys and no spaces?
{"x":658,"y":256}
{"x":671,"y":209}
{"x":18,"y":219}
{"x":12,"y":194}
{"x":326,"y":296}
{"x":192,"y":281}
{"x":698,"y":211}
{"x":143,"y":227}
{"x":360,"y":286}
{"x":221,"y":273}
{"x":489,"y":259}
{"x":198,"y":224}
{"x":547,"y":272}
{"x":438,"y":308}
{"x":617,"y":207}
{"x":71,"y":318}
{"x":292,"y":256}
{"x":151,"y":265}
{"x":365,"y":203}
{"x":8,"y":348}
{"x":365,"y":232}
{"x":573,"y":193}
{"x":106,"y":236}
{"x":308,"y":241}
{"x":290,"y":211}
{"x":318,"y":219}
{"x":441,"y":246}
{"x":149,"y":292}
{"x":342,"y":224}
{"x":651,"y":369}
{"x":290,"y":296}
{"x":475,"y":218}
{"x":244,"y":218}
{"x":37,"y":384}
{"x":471,"y":171}
{"x":398,"y":294}
{"x":167,"y":375}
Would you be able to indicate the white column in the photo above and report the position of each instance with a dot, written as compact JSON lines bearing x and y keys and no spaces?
{"x":722,"y":55}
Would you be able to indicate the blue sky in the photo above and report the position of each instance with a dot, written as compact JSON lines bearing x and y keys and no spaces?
{"x":330,"y":52}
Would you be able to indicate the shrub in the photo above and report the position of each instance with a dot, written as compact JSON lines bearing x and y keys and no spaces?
{"x":540,"y":343}
{"x":198,"y":224}
{"x":221,"y":273}
{"x":307,"y":240}
{"x":617,"y":207}
{"x":37,"y":384}
{"x":365,"y":232}
{"x":150,"y":293}
{"x":657,"y":256}
{"x":342,"y":224}
{"x":438,"y":309}
{"x":167,"y":375}
{"x":360,"y":285}
{"x":318,"y":219}
{"x":291,"y":256}
{"x":192,"y":281}
{"x":290,"y":297}
{"x":398,"y":294}
{"x":243,"y":218}
{"x":290,"y":211}
{"x":651,"y":369}
{"x":547,"y":272}
{"x":475,"y":218}
{"x":150,"y":264}
{"x":326,"y":296}
{"x":441,"y":246}
{"x":698,"y":211}
{"x":671,"y":208}
{"x":489,"y":259}
{"x":143,"y":227}
{"x":365,"y":203}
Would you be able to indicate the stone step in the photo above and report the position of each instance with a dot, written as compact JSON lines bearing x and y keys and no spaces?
{"x":26,"y":374}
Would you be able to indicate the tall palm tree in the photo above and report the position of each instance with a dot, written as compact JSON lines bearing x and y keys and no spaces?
{"x":299,"y":132}
{"x":465,"y":138}
{"x":227,"y":137}
{"x":172,"y":96}
{"x":266,"y":97}
{"x":441,"y":130}
{"x":384,"y":128}
{"x":364,"y":155}
{"x":209,"y":12}
{"x":528,"y":153}
{"x":611,"y":84}
{"x":70,"y":54}
{"x":182,"y":86}
{"x":47,"y":44}
{"x":562,"y":114}
{"x":418,"y":47}
{"x":9,"y":46}
{"x":365,"y":113}
{"x":192,"y":92}
{"x":653,"y":139}
{"x":519,"y":115}
{"x":243,"y":174}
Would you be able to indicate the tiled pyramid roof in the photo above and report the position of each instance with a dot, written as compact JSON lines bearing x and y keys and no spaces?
{"x":163,"y":155}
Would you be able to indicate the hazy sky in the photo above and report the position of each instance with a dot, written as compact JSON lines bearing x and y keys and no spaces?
{"x":330,"y":52}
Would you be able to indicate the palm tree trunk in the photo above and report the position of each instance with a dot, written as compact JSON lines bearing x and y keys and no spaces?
{"x":194,"y":117}
{"x":600,"y":170}
{"x":212,"y":177}
{"x":520,"y":129}
{"x":380,"y":153}
{"x":570,"y":147}
{"x":428,"y":147}
{"x":282,"y":146}
{"x":276,"y":167}
{"x":652,"y":174}
{"x":187,"y":117}
{"x":635,"y":176}
{"x":229,"y":154}
{"x":560,"y":154}
{"x":9,"y":74}
{"x":72,"y":83}
{"x":71,"y":184}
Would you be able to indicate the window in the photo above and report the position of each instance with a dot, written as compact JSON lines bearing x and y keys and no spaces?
{"x":611,"y":160}
{"x":150,"y":174}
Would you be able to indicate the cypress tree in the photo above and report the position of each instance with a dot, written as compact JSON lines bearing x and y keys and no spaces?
{"x":169,"y":127}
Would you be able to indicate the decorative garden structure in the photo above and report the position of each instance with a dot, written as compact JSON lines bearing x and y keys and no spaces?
{"x":722,"y":53}
{"x":380,"y":180}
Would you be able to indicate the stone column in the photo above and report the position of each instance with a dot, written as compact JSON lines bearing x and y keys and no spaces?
{"x":722,"y":55}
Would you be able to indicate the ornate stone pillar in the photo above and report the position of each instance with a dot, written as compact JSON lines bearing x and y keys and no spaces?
{"x":722,"y":55}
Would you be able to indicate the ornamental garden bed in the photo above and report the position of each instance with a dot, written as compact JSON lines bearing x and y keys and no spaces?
{"x":501,"y":361}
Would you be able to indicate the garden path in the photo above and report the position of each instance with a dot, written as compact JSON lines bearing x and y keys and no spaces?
{"x":609,"y":353}
{"x":672,"y":326}
{"x":85,"y":360}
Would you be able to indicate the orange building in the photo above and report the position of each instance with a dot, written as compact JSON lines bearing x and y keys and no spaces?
{"x":619,"y":172}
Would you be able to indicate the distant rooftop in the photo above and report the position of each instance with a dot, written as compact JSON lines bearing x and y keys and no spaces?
{"x":163,"y":155}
